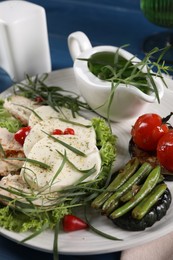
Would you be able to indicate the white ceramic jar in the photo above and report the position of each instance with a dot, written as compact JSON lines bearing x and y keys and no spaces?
{"x":24,"y":46}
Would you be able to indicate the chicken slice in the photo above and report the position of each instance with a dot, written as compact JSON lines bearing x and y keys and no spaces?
{"x":10,"y":148}
{"x":20,"y":107}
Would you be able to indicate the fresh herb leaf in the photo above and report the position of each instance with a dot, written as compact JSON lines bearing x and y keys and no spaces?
{"x":89,"y":171}
{"x":2,"y":150}
{"x":99,"y":232}
{"x":60,"y":168}
{"x":74,"y":123}
{"x":55,"y":242}
{"x":30,"y":109}
{"x":38,"y":163}
{"x":54,"y":96}
{"x":71,"y":148}
{"x":36,"y":233}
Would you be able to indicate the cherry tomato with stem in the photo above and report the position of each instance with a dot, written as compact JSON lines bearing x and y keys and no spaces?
{"x":148,"y":129}
{"x":21,"y":134}
{"x":165,"y":151}
{"x":73,"y":223}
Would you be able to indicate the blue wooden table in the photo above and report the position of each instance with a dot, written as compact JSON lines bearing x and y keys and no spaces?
{"x":111,"y":22}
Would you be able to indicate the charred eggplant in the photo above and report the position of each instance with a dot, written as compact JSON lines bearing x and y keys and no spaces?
{"x":136,"y":198}
{"x":156,"y":213}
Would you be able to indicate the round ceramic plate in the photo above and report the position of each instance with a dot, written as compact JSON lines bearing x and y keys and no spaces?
{"x":86,"y":242}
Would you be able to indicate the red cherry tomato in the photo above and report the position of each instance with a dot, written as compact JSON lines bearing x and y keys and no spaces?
{"x":38,"y":99}
{"x":69,"y":131}
{"x":73,"y":223}
{"x":147,"y":131}
{"x":165,"y":151}
{"x":57,"y":132}
{"x":20,"y":135}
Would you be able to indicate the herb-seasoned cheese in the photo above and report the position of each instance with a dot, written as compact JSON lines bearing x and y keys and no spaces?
{"x":66,"y":166}
{"x":44,"y":113}
{"x":38,"y":132}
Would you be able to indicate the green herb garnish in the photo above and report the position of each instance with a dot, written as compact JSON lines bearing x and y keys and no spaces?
{"x":74,"y":123}
{"x":54,"y":96}
{"x":30,"y":109}
{"x":71,"y":148}
{"x":35,"y":162}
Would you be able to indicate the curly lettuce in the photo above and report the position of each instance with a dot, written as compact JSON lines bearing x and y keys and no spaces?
{"x":17,"y":221}
{"x":7,"y":120}
{"x":106,"y":141}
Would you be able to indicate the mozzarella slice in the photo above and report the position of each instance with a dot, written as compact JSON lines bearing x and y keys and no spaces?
{"x":47,"y":150}
{"x":44,"y":113}
{"x":37,"y":131}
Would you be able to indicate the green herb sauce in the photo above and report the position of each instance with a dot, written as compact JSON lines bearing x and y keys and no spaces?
{"x":113,"y":67}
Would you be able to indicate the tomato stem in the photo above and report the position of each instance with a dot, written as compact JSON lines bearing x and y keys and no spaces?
{"x":166,"y":119}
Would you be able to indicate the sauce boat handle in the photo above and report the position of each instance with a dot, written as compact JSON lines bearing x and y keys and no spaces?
{"x":78,"y":42}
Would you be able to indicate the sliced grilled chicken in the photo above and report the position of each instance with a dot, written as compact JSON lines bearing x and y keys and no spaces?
{"x":20,"y":107}
{"x":10,"y":166}
{"x":10,"y":149}
{"x":15,"y":183}
{"x":8,"y":142}
{"x":12,"y":182}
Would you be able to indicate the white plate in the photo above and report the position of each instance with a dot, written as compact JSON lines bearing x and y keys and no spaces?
{"x":86,"y":242}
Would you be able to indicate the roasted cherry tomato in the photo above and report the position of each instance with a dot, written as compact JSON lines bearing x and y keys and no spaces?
{"x":165,"y":151}
{"x":20,"y":135}
{"x":69,"y":131}
{"x":57,"y":132}
{"x":147,"y":131}
{"x":73,"y":223}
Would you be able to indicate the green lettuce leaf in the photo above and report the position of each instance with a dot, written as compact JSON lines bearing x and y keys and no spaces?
{"x":7,"y":120}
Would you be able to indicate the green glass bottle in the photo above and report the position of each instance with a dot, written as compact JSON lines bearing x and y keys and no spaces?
{"x":159,"y":12}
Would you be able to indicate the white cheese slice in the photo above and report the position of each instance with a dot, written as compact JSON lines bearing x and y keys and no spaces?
{"x":47,"y":112}
{"x":47,"y":151}
{"x":37,"y":131}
